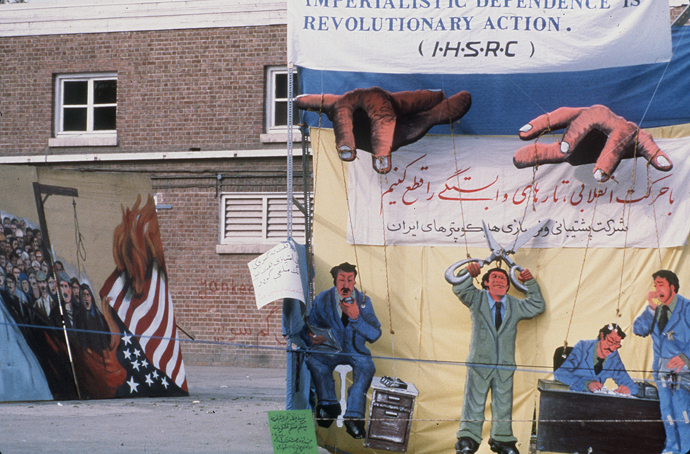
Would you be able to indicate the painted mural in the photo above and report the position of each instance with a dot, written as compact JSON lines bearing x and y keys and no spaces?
{"x":67,"y":336}
{"x":567,"y":157}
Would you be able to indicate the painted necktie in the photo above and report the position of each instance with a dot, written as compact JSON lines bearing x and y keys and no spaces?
{"x":498,"y":318}
{"x":663,"y":318}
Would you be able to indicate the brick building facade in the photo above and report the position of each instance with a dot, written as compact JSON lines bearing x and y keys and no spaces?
{"x":192,"y":114}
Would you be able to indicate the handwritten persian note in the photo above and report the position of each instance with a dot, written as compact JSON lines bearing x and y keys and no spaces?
{"x":276,"y":275}
{"x":292,"y":432}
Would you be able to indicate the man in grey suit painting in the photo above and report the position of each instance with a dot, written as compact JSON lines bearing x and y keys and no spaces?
{"x":491,"y":360}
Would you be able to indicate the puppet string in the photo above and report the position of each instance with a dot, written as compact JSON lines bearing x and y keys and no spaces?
{"x":534,"y":176}
{"x":457,"y":170}
{"x":582,"y":269}
{"x":345,"y":186}
{"x":457,"y":184}
{"x":628,"y":196}
{"x":349,"y":220}
{"x":656,"y":226}
{"x":388,"y":291}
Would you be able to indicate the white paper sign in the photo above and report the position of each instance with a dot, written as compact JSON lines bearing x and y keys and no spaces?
{"x":276,"y":275}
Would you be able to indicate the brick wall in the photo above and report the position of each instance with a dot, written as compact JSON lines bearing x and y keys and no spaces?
{"x":177,"y":89}
{"x":677,"y":11}
{"x":214,"y":297}
{"x":212,"y":293}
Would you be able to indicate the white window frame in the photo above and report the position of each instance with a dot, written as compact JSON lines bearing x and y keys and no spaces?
{"x":277,"y":133}
{"x":265,"y":231}
{"x":81,"y":138}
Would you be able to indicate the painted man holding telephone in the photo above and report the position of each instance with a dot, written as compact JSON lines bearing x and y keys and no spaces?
{"x":341,"y":321}
{"x":667,"y":319}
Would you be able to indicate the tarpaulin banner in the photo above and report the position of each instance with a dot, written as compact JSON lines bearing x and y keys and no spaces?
{"x":442,"y":188}
{"x":476,"y":36}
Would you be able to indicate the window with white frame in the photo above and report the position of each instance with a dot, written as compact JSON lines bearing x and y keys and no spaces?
{"x":259,"y":219}
{"x":277,"y":99}
{"x":86,"y":105}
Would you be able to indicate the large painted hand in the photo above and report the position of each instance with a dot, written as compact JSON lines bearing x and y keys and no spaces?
{"x":592,"y":135}
{"x":380,"y":122}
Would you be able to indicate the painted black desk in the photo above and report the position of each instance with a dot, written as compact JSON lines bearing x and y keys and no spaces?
{"x":572,"y":422}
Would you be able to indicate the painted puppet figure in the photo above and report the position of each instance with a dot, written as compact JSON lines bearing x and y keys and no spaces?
{"x":592,"y":362}
{"x":667,"y":319}
{"x":491,"y":361}
{"x":350,"y":317}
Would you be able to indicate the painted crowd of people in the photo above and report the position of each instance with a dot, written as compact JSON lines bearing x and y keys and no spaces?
{"x":32,"y":289}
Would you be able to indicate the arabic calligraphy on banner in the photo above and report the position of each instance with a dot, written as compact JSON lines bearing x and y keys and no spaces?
{"x":428,"y":199}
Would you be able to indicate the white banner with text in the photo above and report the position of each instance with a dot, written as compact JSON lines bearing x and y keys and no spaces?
{"x":476,"y":36}
{"x":442,"y":188}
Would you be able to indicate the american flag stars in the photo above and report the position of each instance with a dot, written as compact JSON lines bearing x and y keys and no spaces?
{"x":132,"y":385}
{"x":142,"y":379}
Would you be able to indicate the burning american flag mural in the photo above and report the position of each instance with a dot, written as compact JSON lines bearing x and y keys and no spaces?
{"x":138,"y":290}
{"x":80,"y":326}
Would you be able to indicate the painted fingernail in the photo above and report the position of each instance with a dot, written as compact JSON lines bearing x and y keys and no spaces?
{"x":662,"y":161}
{"x":526,"y":128}
{"x":565,"y":147}
{"x":381,"y":164}
{"x":345,"y":153}
{"x":599,"y":175}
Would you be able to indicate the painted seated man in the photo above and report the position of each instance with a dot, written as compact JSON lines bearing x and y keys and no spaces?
{"x":594,"y":361}
{"x":350,"y":317}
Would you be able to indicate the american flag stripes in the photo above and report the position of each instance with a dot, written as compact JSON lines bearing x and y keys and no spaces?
{"x":149,"y":316}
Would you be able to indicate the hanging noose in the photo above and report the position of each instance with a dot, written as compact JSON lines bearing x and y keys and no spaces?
{"x":78,"y":240}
